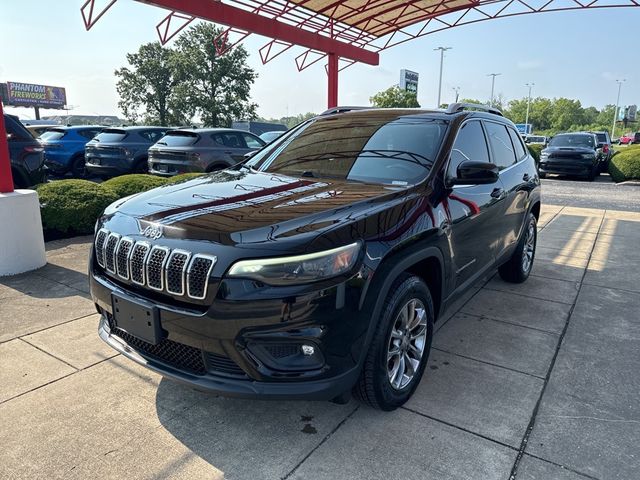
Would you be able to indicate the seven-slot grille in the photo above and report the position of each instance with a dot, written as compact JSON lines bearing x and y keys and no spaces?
{"x":177,"y":272}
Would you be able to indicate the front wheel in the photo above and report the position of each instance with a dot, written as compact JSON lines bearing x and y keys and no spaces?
{"x":518,"y":267}
{"x":400,"y":347}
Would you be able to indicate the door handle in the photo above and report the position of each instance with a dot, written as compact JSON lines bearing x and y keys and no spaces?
{"x":497,"y":192}
{"x":526,"y":177}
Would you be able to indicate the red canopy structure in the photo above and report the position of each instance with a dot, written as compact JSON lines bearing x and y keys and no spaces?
{"x":342,"y":31}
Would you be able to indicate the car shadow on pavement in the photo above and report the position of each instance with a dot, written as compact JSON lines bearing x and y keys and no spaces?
{"x":50,"y":281}
{"x":246,"y":438}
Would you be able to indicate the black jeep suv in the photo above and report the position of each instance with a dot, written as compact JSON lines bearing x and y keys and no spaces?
{"x":321,"y":264}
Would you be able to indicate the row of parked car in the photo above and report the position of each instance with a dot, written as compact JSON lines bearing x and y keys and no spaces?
{"x":107,"y":152}
{"x":104,"y":151}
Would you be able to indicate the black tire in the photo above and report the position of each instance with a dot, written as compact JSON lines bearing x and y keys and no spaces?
{"x":542,"y":175}
{"x":591,"y":176}
{"x":141,"y":166}
{"x":514,"y":270}
{"x":78,"y":167}
{"x":374,"y":386}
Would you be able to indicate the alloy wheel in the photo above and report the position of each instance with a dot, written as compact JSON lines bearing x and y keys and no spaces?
{"x":529,"y":247}
{"x":406,"y":344}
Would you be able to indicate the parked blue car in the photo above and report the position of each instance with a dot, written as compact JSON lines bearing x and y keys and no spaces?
{"x":64,"y":148}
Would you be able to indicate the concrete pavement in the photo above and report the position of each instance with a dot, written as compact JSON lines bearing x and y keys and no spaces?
{"x":531,"y":381}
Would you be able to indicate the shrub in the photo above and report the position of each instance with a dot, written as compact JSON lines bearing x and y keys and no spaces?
{"x":625,"y":165}
{"x":126,"y":185}
{"x":72,"y":206}
{"x":535,"y":150}
{"x":183,"y":177}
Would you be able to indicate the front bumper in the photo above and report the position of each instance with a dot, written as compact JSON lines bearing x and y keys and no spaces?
{"x":566,"y":167}
{"x":225,"y":348}
{"x":325,"y":389}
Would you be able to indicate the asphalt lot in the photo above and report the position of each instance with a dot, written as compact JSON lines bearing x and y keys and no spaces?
{"x":531,"y":381}
{"x":602,"y":193}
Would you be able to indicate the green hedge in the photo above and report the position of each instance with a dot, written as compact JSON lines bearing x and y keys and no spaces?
{"x":535,"y":150}
{"x":626,"y":165}
{"x":126,"y":185}
{"x":72,"y":206}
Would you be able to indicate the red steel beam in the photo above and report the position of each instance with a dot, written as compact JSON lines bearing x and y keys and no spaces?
{"x":218,"y":12}
{"x":6,"y":179}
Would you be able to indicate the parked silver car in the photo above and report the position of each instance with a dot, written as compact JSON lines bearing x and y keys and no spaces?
{"x":200,"y":150}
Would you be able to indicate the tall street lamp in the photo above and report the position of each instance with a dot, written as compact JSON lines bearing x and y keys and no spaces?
{"x":442,"y":50}
{"x":526,"y":122}
{"x":615,"y":111}
{"x":493,"y":84}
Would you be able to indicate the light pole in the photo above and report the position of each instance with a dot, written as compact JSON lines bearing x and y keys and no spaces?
{"x":457,"y":90}
{"x":526,"y":122}
{"x":493,"y":84}
{"x":615,"y":111}
{"x":442,"y":50}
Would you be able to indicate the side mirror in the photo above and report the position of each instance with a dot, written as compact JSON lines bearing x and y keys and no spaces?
{"x":476,"y":173}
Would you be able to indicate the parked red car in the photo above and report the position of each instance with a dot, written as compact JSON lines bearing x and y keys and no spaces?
{"x":629,"y":138}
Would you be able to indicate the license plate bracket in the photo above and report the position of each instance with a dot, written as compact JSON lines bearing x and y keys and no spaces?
{"x":137,"y":317}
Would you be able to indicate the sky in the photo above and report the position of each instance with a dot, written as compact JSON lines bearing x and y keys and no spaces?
{"x":576,"y":54}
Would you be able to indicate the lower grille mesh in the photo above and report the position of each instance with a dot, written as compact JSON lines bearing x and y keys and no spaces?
{"x":178,"y":355}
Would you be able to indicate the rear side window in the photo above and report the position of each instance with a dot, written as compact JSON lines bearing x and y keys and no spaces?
{"x":229,"y":140}
{"x":252,"y":142}
{"x":88,"y":133}
{"x":470,"y":144}
{"x":517,"y":144}
{"x":152,"y":135}
{"x":501,"y":146}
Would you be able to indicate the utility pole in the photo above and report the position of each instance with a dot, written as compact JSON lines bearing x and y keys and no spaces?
{"x":526,"y":122}
{"x":442,"y":50}
{"x":457,"y":90}
{"x":615,"y":111}
{"x":493,"y":84}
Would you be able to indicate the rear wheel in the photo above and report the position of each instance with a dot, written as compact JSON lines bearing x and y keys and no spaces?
{"x":400,"y":347}
{"x":518,"y":267}
{"x":78,"y":167}
{"x":141,"y":167}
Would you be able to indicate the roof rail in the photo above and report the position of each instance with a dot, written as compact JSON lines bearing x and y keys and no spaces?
{"x":342,"y":109}
{"x":459,"y":107}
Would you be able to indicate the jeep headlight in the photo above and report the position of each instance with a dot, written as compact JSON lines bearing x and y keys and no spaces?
{"x":298,"y":269}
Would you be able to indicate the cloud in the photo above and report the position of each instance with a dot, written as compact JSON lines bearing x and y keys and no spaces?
{"x":529,"y":64}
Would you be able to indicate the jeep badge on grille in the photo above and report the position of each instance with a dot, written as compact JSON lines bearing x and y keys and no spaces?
{"x":153,"y":232}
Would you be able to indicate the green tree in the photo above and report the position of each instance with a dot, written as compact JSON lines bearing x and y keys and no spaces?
{"x":216,"y":87}
{"x":395,"y":97}
{"x":147,"y":88}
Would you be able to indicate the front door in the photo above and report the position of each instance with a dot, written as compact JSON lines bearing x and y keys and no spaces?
{"x":473,"y":209}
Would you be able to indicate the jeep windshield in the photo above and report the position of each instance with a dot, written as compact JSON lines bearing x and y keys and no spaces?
{"x":381,"y":147}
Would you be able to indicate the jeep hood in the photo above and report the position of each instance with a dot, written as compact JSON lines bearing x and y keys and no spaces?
{"x":249,"y":206}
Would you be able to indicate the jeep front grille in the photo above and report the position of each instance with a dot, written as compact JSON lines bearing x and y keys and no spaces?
{"x":176,"y":272}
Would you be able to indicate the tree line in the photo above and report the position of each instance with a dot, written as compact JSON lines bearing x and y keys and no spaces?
{"x":548,"y":115}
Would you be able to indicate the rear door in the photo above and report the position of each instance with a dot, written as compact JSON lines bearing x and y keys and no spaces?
{"x":474,"y":209}
{"x":517,"y":176}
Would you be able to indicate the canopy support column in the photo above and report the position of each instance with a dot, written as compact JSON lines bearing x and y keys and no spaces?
{"x":332,"y":71}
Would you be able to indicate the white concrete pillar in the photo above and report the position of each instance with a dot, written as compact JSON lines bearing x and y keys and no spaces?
{"x":21,"y":239}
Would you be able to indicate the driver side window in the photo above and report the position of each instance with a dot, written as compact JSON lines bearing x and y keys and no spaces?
{"x":470,"y":144}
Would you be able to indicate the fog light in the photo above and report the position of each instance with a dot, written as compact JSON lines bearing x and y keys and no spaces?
{"x":308,"y":350}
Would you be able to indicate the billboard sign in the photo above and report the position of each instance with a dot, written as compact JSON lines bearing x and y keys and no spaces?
{"x":409,"y":80}
{"x":31,"y":95}
{"x":524,"y":128}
